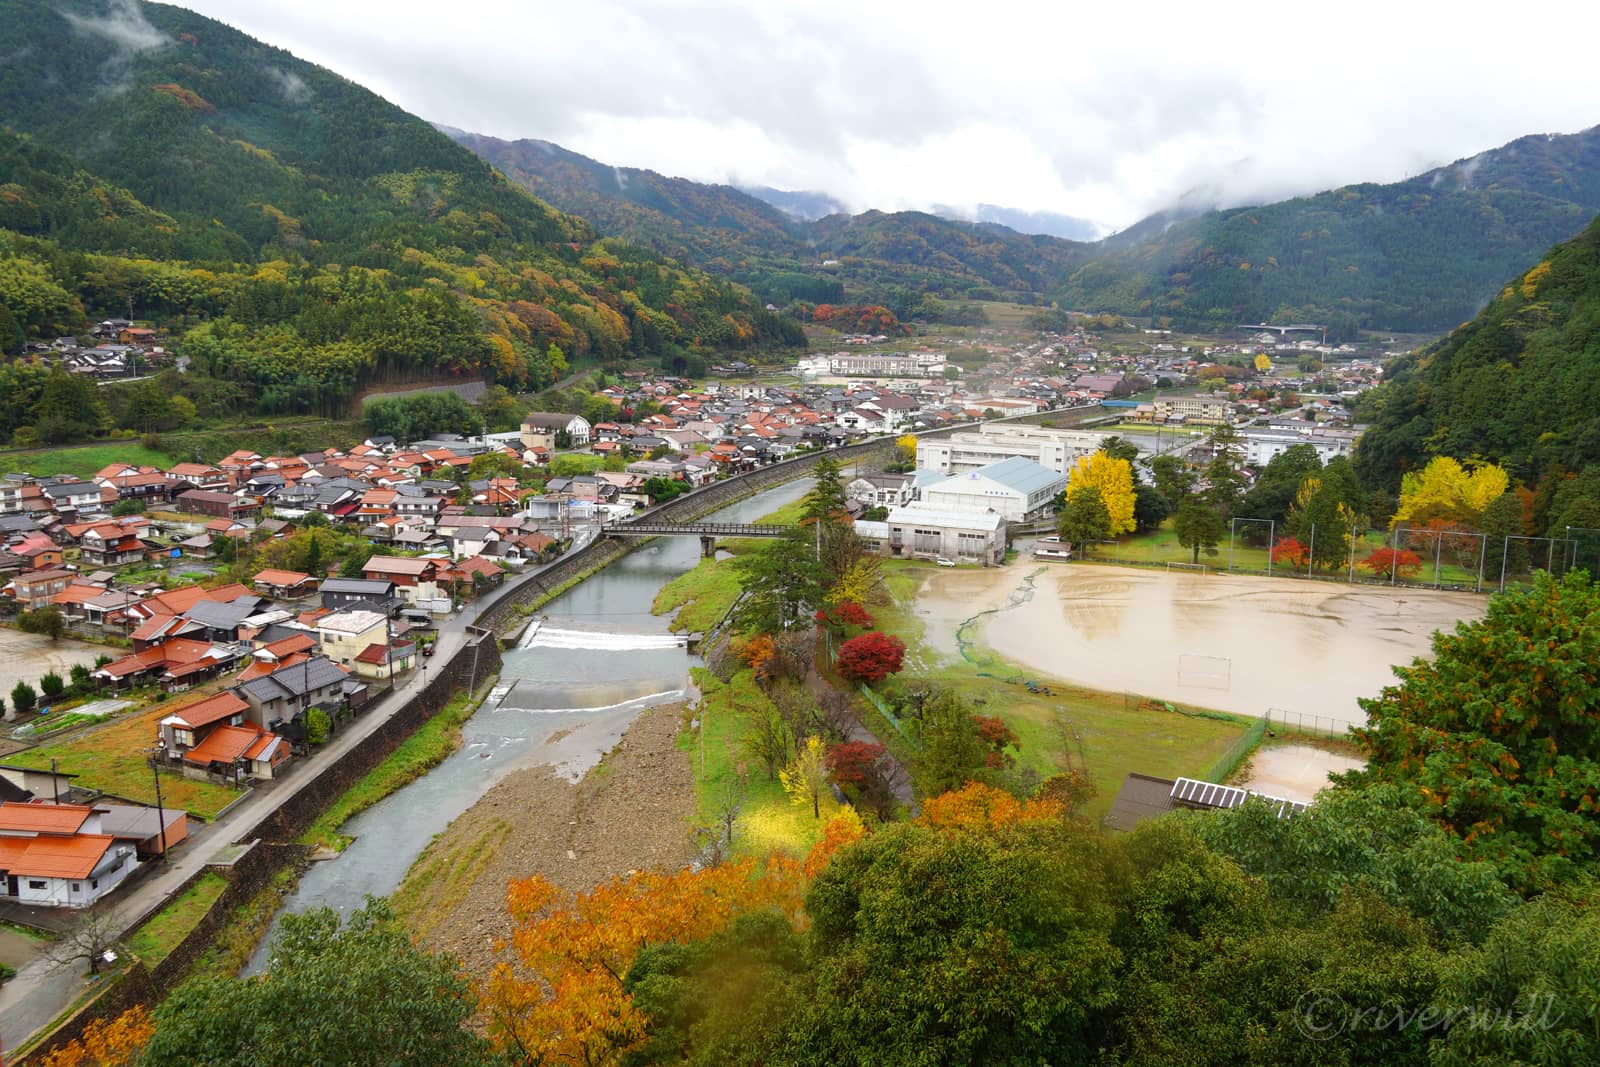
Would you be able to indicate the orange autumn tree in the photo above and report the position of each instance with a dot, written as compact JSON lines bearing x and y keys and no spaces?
{"x":563,"y":1001}
{"x":984,"y":809}
{"x":106,"y":1042}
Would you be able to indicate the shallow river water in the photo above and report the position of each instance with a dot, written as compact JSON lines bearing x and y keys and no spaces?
{"x":564,"y":699}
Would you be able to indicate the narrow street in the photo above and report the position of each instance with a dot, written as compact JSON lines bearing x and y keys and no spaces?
{"x":40,"y":991}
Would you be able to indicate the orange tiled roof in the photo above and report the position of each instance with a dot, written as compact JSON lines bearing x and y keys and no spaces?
{"x":61,"y":857}
{"x":212,"y":709}
{"x":224,"y":745}
{"x":43,"y":818}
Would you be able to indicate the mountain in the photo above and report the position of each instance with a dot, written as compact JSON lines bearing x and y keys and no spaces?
{"x":892,"y":259}
{"x":1419,"y":255}
{"x":1422,"y":254}
{"x":712,"y":224}
{"x":1518,"y":385}
{"x":1035,"y":223}
{"x":299,"y":237}
{"x":805,"y":206}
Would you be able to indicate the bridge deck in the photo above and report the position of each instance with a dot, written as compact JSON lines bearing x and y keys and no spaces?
{"x":692,"y":529}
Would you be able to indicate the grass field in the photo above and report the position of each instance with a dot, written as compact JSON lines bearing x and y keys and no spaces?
{"x":768,"y":820}
{"x":246,"y":925}
{"x":111,"y":758}
{"x":1108,"y":733}
{"x":417,"y":754}
{"x":82,"y":460}
{"x":702,"y":596}
{"x":155,"y":940}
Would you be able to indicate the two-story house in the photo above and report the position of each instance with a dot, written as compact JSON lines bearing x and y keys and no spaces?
{"x":283,"y":696}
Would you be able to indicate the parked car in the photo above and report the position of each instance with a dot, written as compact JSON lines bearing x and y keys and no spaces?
{"x":427,"y":649}
{"x":941,"y":561}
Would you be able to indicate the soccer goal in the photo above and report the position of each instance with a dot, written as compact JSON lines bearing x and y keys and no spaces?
{"x":1199,"y":568}
{"x":1206,"y":672}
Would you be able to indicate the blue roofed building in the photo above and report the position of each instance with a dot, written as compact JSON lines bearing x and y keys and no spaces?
{"x":1017,"y":489}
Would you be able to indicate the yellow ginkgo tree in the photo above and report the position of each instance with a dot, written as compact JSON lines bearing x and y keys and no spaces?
{"x":1445,"y":489}
{"x":1114,"y":478}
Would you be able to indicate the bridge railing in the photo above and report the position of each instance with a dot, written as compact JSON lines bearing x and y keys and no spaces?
{"x":709,"y":529}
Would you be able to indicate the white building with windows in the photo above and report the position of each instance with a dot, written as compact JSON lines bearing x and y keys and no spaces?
{"x":917,"y":531}
{"x":967,"y":450}
{"x":1262,"y":446}
{"x":1018,"y":490}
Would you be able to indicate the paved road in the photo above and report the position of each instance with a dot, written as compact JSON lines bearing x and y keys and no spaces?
{"x":39,"y":992}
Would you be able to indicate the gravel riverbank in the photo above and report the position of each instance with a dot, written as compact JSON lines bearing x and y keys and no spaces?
{"x":632,"y":812}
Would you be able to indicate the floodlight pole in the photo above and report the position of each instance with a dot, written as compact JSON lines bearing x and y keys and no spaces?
{"x":1505,"y":557}
{"x":1311,"y":552}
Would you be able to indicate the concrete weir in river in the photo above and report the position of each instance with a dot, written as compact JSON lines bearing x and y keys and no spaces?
{"x":565,"y":696}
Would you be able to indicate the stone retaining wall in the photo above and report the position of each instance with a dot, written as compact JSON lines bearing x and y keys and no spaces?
{"x":471,"y":663}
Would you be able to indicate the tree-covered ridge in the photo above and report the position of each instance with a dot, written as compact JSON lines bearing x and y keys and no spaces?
{"x":1519,"y":384}
{"x":1423,"y":254}
{"x":1420,"y":254}
{"x":297,"y":237}
{"x":714,"y":226}
{"x":43,"y":192}
{"x":205,"y":123}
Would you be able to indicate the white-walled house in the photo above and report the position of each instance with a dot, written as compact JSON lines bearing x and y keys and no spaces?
{"x":539,"y":429}
{"x":55,"y":855}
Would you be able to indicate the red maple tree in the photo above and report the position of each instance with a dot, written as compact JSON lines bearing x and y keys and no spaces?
{"x":872,"y":657}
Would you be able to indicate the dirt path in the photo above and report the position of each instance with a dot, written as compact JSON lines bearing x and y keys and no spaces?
{"x":634,"y":811}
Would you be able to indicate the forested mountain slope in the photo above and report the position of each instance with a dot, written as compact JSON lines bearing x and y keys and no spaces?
{"x":298,"y":237}
{"x":1519,"y":384}
{"x":1422,"y":254}
{"x":779,"y":255}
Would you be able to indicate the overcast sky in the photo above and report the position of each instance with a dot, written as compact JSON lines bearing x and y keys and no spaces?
{"x":1102,"y":111}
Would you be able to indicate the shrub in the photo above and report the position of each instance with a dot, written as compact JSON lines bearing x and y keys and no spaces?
{"x":872,"y":657}
{"x":1385,"y":561}
{"x":52,"y":685}
{"x":23,"y":698}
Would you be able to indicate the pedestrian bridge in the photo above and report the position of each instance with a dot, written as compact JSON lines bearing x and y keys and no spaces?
{"x":708,"y":532}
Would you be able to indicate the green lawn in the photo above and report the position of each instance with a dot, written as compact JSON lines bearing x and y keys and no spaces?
{"x":82,"y":460}
{"x":111,"y":758}
{"x":417,"y":754}
{"x":163,"y":931}
{"x":701,"y":596}
{"x":768,"y":820}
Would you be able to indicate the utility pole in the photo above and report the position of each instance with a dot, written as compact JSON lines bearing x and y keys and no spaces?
{"x":161,"y":812}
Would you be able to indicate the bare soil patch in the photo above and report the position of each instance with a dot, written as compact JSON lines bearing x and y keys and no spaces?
{"x":632,"y":812}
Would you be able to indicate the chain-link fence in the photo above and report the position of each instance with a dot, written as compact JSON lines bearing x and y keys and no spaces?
{"x":1281,"y":720}
{"x":1431,"y":557}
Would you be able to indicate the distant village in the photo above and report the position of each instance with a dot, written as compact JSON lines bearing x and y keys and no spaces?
{"x":268,"y":652}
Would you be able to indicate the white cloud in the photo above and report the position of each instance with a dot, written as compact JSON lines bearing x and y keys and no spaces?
{"x":123,"y":24}
{"x":1106,"y":112}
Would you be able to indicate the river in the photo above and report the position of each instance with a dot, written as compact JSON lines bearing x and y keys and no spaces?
{"x":564,"y":698}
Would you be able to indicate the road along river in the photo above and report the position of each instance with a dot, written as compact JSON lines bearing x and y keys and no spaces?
{"x":565,"y":696}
